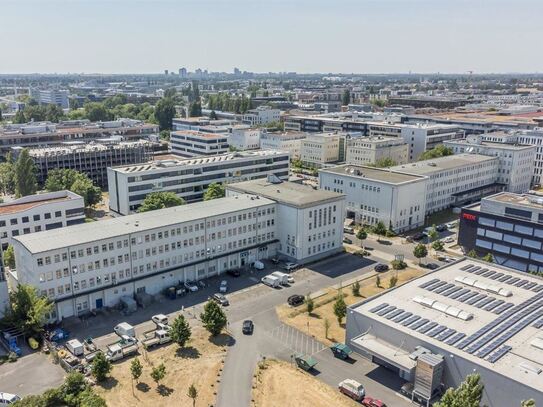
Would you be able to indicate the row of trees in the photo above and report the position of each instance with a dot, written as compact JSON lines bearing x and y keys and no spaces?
{"x":18,"y":176}
{"x":227,"y":103}
{"x":436,"y":152}
{"x":38,"y":113}
{"x":77,"y":182}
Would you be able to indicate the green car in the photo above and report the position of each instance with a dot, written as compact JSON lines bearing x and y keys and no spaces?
{"x":305,"y":362}
{"x":341,"y":350}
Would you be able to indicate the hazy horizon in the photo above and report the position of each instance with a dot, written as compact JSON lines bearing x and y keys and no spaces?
{"x":348,"y":36}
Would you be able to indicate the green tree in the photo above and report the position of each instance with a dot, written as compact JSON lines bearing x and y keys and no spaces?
{"x":28,"y":309}
{"x":310,"y":304}
{"x":356,"y":289}
{"x":96,"y":112}
{"x":528,"y":403}
{"x":136,"y":369}
{"x":77,"y":182}
{"x":193,"y":394}
{"x":170,"y":93}
{"x":92,"y":195}
{"x":54,"y":113}
{"x":438,"y":245}
{"x":59,"y":179}
{"x":213,"y":115}
{"x":165,"y":135}
{"x":436,"y":152}
{"x":213,"y":318}
{"x":25,"y":175}
{"x":158,"y":373}
{"x":180,"y":331}
{"x":326,"y":323}
{"x":160,"y":200}
{"x":9,"y":257}
{"x":378,"y":282}
{"x":20,"y":117}
{"x":164,"y":113}
{"x":195,"y":109}
{"x":100,"y":367}
{"x":392,"y":281}
{"x":346,"y":97}
{"x":420,"y":251}
{"x":7,"y":178}
{"x":380,"y":229}
{"x":384,"y":162}
{"x":361,"y":235}
{"x":433,"y":234}
{"x":214,"y":191}
{"x":488,"y":258}
{"x":468,"y":394}
{"x":340,"y":308}
{"x":472,"y":253}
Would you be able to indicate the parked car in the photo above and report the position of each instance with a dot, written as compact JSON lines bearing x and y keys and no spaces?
{"x":347,"y":240}
{"x":223,"y":287}
{"x":371,"y":402}
{"x":380,"y":268}
{"x":418,"y":236}
{"x":234,"y":272}
{"x":220,"y":299}
{"x":192,"y":287}
{"x":258,"y":265}
{"x":449,"y":239}
{"x":431,"y":266}
{"x":290,"y":266}
{"x":271,"y":281}
{"x":341,"y":351}
{"x":295,"y":300}
{"x":451,"y":225}
{"x":290,"y":279}
{"x":349,"y":230}
{"x":352,"y":388}
{"x":248,"y":327}
{"x":441,"y":228}
{"x":8,"y":398}
{"x":274,"y":260}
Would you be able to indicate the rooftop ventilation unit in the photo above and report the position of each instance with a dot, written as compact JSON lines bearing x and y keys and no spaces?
{"x":444,"y":308}
{"x":492,"y":288}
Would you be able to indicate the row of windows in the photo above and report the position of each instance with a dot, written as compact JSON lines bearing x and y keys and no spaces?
{"x":26,"y":219}
{"x":507,"y":226}
{"x":320,"y":247}
{"x":503,"y":248}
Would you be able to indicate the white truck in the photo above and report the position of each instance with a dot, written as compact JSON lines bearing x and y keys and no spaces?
{"x":120,"y":350}
{"x":161,"y":321}
{"x":271,"y":281}
{"x":155,"y":338}
{"x":283,"y":277}
{"x":75,"y":347}
{"x":124,"y":329}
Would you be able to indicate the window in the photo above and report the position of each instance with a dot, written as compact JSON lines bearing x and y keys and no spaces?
{"x":486,"y":221}
{"x":501,"y":248}
{"x":503,"y":225}
{"x":531,"y":243}
{"x":525,"y":230}
{"x":511,"y":239}
{"x":520,"y":253}
{"x":494,"y":235}
{"x":483,"y":243}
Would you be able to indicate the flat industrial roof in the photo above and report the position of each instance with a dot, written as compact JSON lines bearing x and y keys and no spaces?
{"x":534,"y":201}
{"x":440,"y":290}
{"x":493,"y":144}
{"x":287,"y":192}
{"x":106,"y":229}
{"x":449,"y":162}
{"x":388,"y":175}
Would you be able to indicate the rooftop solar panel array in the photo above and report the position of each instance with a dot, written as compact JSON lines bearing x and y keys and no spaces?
{"x":502,"y":277}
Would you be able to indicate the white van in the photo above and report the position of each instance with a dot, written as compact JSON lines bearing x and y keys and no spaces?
{"x":352,"y":388}
{"x":8,"y":398}
{"x":283,"y":277}
{"x":271,"y":281}
{"x":75,"y":347}
{"x":258,"y":265}
{"x":125,"y":329}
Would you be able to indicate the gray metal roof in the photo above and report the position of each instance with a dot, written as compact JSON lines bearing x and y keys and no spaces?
{"x":290,"y":193}
{"x":374,"y":174}
{"x":428,"y":167}
{"x":105,"y":229}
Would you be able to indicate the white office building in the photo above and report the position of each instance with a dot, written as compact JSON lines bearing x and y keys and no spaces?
{"x":457,"y":179}
{"x":261,"y":115}
{"x":309,"y":222}
{"x":189,"y":178}
{"x":320,"y":149}
{"x":51,"y":97}
{"x":243,"y":137}
{"x":290,"y":141}
{"x":191,"y":143}
{"x":89,"y":266}
{"x":369,"y":150}
{"x":516,"y":161}
{"x":378,"y":195}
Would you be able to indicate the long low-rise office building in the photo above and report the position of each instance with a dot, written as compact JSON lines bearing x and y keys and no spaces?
{"x":92,"y":159}
{"x":42,"y":134}
{"x":466,"y":317}
{"x":89,"y":266}
{"x":191,"y":143}
{"x":509,"y":227}
{"x":189,"y":178}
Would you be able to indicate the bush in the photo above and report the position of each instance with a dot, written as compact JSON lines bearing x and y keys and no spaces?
{"x":398,"y":264}
{"x":438,"y":245}
{"x":393,"y":281}
{"x":356,"y":289}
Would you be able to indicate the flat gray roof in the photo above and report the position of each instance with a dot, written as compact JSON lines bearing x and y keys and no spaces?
{"x":433,"y":165}
{"x":105,"y":229}
{"x":493,"y":144}
{"x":286,"y":192}
{"x":406,"y":296}
{"x":390,"y":176}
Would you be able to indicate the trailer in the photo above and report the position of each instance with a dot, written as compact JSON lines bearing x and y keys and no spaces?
{"x":155,"y":338}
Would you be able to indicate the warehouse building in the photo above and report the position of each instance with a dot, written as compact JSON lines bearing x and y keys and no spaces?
{"x":474,"y":316}
{"x":189,"y":178}
{"x":89,"y":266}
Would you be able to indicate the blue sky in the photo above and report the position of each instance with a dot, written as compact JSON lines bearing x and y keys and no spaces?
{"x":363,"y":36}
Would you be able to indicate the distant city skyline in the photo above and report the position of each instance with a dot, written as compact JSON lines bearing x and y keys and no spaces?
{"x":306,"y":36}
